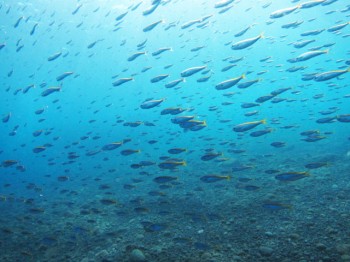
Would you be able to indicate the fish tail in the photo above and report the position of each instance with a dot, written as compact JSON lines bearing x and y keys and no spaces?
{"x":262,"y":35}
{"x":228,"y":178}
{"x":263,"y":121}
{"x":184,"y":163}
{"x":348,"y":70}
{"x":243,"y":76}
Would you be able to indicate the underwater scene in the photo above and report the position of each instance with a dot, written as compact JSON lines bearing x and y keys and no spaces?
{"x":175,"y":130}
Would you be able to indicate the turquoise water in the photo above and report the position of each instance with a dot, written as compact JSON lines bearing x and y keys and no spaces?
{"x":93,"y":168}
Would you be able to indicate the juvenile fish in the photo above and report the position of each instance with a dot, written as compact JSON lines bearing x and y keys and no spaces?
{"x":284,"y":12}
{"x":190,"y":71}
{"x":151,"y":103}
{"x":313,"y":32}
{"x":33,"y":29}
{"x":344,"y":118}
{"x":329,"y":75}
{"x":292,"y":25}
{"x":291,"y":176}
{"x":229,"y":83}
{"x":164,"y":179}
{"x":203,"y":79}
{"x":26,"y":89}
{"x":111,"y":146}
{"x":18,"y":21}
{"x":63,"y":76}
{"x":152,"y":26}
{"x":161,"y":50}
{"x":54,"y":56}
{"x":121,"y":16}
{"x":243,"y":31}
{"x":122,"y":81}
{"x":310,"y":4}
{"x":158,"y":78}
{"x":50,"y":90}
{"x":303,"y":43}
{"x":248,"y":83}
{"x":190,"y":23}
{"x":39,"y":149}
{"x":246,"y":43}
{"x":136,"y":55}
{"x":151,"y":9}
{"x":307,"y":56}
{"x":214,"y":178}
{"x":6,"y":118}
{"x":261,"y":132}
{"x":77,"y":9}
{"x":337,"y":27}
{"x":170,"y":164}
{"x":181,"y":119}
{"x":172,"y":111}
{"x":223,"y":3}
{"x":174,"y":83}
{"x":248,"y":125}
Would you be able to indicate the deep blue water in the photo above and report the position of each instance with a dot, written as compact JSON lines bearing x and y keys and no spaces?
{"x":74,"y":178}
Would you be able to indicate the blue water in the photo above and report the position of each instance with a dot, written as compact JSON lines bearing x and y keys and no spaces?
{"x":60,"y":201}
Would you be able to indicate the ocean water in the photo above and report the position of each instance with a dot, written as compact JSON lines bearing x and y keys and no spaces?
{"x":172,"y":130}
